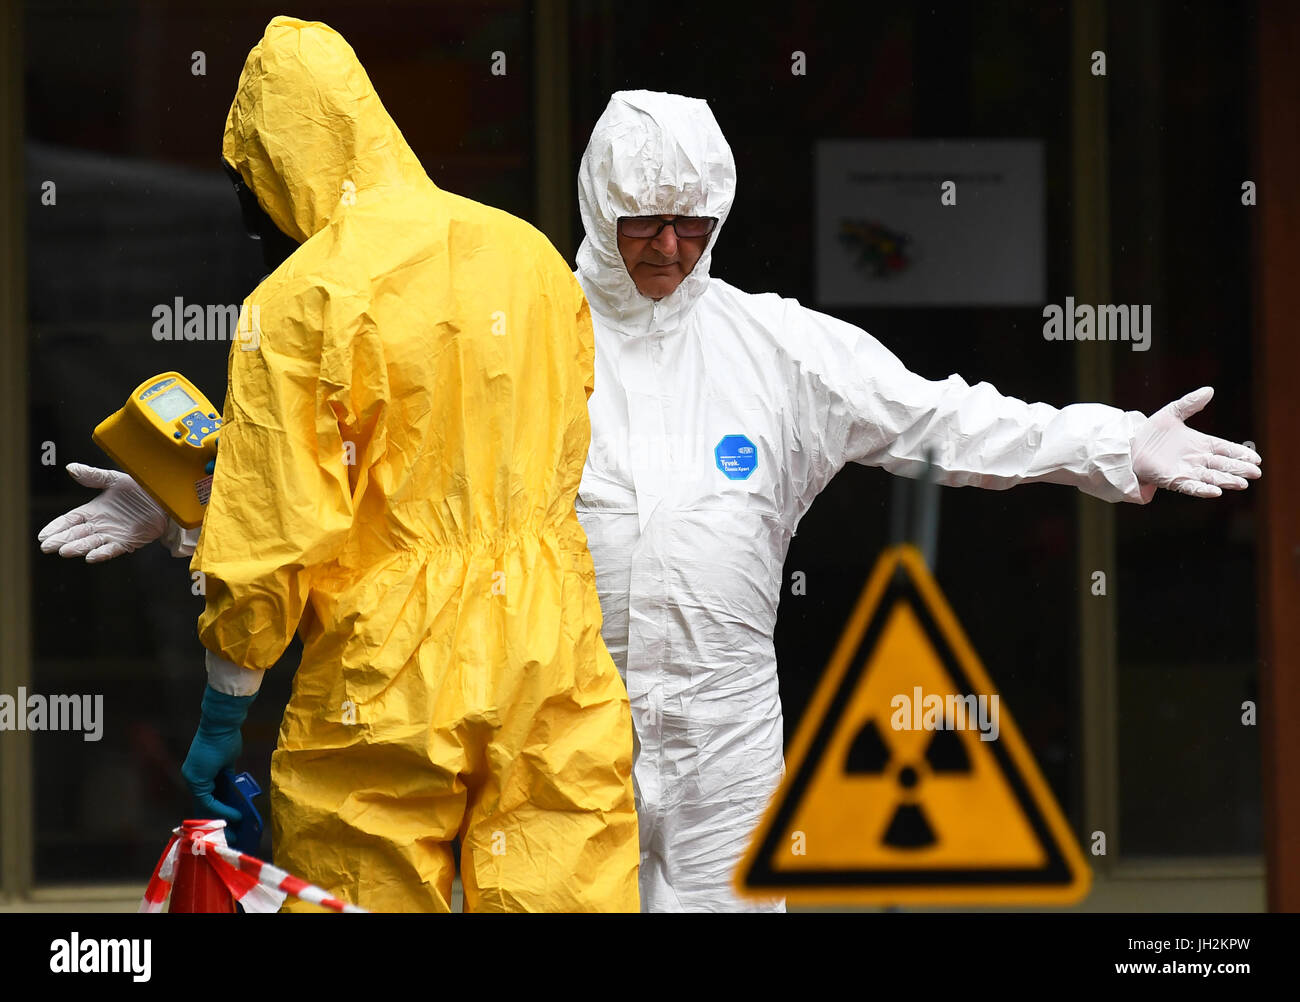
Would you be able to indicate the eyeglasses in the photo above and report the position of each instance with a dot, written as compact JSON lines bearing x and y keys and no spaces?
{"x":649,"y":227}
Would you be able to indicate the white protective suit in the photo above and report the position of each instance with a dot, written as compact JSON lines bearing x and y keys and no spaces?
{"x":689,"y":531}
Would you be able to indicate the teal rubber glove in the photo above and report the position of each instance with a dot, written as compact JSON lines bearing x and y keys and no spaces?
{"x":216,"y":745}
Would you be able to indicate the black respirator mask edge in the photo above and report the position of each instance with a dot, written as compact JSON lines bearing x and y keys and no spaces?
{"x":276,"y":245}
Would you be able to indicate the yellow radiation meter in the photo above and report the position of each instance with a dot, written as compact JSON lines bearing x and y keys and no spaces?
{"x":165,"y":437}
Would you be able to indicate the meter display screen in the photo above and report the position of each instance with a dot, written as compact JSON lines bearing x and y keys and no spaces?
{"x":172,"y":404}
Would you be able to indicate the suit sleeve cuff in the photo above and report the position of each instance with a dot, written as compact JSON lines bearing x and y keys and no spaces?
{"x":1115,"y":478}
{"x":229,"y":678}
{"x":180,"y":542}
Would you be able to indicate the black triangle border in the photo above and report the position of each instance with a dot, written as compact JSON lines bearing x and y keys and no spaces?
{"x":762,"y":876}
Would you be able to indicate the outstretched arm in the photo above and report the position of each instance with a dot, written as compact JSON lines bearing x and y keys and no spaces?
{"x":858,"y":403}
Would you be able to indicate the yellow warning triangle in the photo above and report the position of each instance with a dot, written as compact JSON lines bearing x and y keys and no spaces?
{"x":908,"y":781}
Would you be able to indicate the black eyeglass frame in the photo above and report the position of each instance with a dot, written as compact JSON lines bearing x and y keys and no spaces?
{"x":713,"y":225}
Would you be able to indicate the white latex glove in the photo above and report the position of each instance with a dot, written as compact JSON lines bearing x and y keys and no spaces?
{"x":120,"y":519}
{"x":1168,"y":454}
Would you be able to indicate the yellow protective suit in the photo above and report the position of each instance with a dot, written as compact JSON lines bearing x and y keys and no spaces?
{"x":404,"y":435}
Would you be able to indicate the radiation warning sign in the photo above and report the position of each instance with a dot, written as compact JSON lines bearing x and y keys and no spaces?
{"x":908,"y":781}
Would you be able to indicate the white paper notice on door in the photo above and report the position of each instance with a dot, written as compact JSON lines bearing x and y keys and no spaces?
{"x":930,"y":222}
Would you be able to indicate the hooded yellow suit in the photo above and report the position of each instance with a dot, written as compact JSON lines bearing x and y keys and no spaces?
{"x":405,"y":429}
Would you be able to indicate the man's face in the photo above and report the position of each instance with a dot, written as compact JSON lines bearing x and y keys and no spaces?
{"x":658,"y":263}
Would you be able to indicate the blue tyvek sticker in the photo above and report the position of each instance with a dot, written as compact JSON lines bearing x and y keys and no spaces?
{"x":736,"y":457}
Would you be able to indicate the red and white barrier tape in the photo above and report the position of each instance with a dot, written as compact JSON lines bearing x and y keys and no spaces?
{"x":258,"y":886}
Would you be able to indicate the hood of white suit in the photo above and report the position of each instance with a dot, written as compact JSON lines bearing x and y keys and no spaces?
{"x":649,"y":154}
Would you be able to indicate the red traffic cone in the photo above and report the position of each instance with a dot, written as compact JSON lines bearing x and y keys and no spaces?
{"x":196,"y":887}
